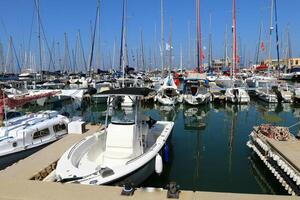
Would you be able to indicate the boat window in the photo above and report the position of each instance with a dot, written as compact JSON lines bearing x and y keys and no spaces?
{"x":59,"y":127}
{"x":41,"y":133}
{"x":123,"y":116}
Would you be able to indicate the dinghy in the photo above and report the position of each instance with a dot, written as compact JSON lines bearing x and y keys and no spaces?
{"x":128,"y":150}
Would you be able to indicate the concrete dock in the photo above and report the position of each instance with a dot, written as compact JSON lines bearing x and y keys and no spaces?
{"x":280,"y":157}
{"x":17,"y":181}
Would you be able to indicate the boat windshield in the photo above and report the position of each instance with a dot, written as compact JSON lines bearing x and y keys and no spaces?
{"x":123,"y":116}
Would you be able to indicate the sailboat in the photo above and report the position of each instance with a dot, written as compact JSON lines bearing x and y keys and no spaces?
{"x":195,"y":89}
{"x":168,"y":93}
{"x":128,"y":150}
{"x":211,"y":76}
{"x":235,"y":94}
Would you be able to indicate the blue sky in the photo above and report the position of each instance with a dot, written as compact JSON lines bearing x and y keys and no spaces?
{"x":61,"y":16}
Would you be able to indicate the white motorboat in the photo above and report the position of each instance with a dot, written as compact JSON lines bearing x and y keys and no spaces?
{"x":265,"y":92}
{"x":254,"y":81}
{"x":286,"y":93}
{"x":224,"y":81}
{"x":128,"y":150}
{"x":168,"y":93}
{"x":296,"y":96}
{"x":195,"y":93}
{"x":31,"y":131}
{"x":237,"y":95}
{"x":286,"y":76}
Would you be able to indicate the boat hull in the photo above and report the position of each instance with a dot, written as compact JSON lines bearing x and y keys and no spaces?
{"x":136,"y":177}
{"x":8,"y":160}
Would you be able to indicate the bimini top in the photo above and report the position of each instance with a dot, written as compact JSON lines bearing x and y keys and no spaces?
{"x":132,"y":91}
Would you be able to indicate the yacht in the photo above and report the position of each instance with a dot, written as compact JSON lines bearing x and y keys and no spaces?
{"x":265,"y":91}
{"x":195,"y":92}
{"x":128,"y":150}
{"x":224,"y":81}
{"x":31,"y":131}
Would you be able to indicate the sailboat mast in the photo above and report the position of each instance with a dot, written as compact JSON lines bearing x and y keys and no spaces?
{"x":142,"y":50}
{"x":234,"y":49}
{"x":162,"y":50}
{"x":226,"y":46}
{"x":170,"y":43}
{"x":181,"y":60}
{"x":114,"y":54}
{"x":189,"y":45}
{"x":199,"y":40}
{"x":270,"y":35}
{"x":123,"y":56}
{"x":277,"y":39}
{"x":37,"y":5}
{"x":93,"y":40}
{"x":210,"y":45}
{"x":99,"y":36}
{"x":258,"y":44}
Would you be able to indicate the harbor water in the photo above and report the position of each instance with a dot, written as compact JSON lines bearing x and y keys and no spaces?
{"x":207,"y":148}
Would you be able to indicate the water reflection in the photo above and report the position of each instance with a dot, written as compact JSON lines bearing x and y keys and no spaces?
{"x":207,"y":149}
{"x":263,"y":177}
{"x":194,"y":118}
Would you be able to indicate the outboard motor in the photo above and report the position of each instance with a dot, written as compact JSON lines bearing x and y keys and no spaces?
{"x":278,"y":94}
{"x":236,"y":93}
{"x":91,"y":91}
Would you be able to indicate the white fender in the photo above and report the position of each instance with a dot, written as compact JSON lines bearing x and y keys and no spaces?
{"x":158,"y":164}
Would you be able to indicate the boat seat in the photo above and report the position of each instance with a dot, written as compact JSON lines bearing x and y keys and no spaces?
{"x":119,"y":142}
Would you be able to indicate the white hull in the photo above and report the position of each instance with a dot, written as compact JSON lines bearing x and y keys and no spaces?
{"x":237,"y":95}
{"x":82,"y":160}
{"x":196,"y":100}
{"x":166,"y":101}
{"x":267,"y":96}
{"x":30,"y":131}
{"x":287,"y":76}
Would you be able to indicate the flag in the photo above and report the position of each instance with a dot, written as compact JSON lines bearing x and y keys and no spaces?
{"x":262,"y":46}
{"x":168,"y":47}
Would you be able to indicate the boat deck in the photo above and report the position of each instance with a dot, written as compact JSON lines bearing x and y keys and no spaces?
{"x":290,"y":150}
